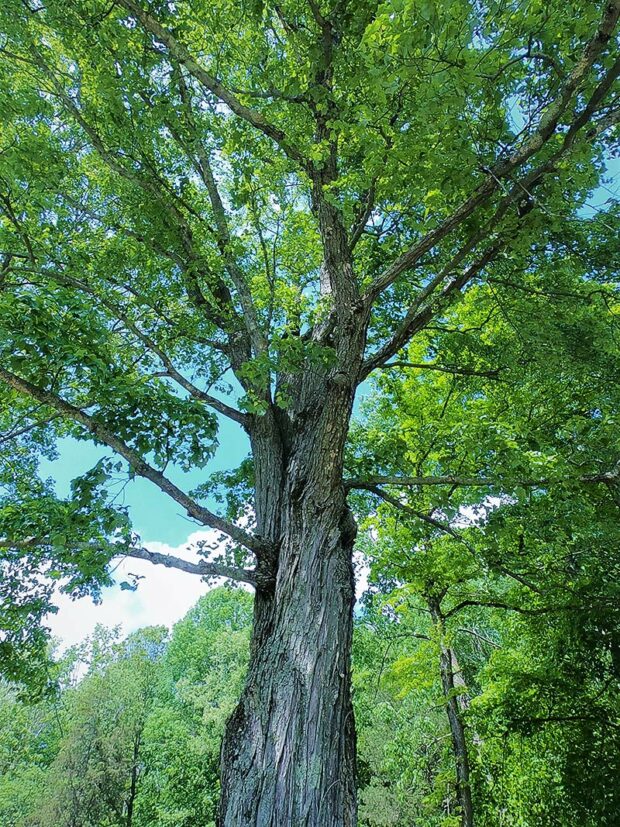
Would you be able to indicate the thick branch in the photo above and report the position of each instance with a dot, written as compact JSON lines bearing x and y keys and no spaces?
{"x":416,"y":319}
{"x":137,"y":463}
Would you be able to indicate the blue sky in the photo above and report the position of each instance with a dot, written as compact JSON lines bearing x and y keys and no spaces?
{"x":155,"y":516}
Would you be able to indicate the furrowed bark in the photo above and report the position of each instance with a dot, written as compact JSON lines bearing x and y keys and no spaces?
{"x":288,"y":756}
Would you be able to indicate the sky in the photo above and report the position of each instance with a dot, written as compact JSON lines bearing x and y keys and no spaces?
{"x":163,"y":595}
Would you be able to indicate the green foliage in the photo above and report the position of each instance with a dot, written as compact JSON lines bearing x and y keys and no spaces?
{"x":133,"y":732}
{"x":163,"y":247}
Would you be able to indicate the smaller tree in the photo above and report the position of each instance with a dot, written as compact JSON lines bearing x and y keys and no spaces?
{"x":95,"y":774}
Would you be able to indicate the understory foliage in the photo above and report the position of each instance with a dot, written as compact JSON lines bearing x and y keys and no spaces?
{"x":131,"y":736}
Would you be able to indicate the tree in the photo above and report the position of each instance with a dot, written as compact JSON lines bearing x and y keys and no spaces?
{"x":201,"y":676}
{"x":534,"y":569}
{"x":285,"y":195}
{"x":95,"y":775}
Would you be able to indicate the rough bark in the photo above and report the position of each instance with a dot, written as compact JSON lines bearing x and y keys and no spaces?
{"x":288,"y":757}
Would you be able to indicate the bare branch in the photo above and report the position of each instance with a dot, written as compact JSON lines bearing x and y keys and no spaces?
{"x":204,"y":568}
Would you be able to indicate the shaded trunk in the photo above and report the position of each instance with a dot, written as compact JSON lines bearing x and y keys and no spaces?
{"x":134,"y":780}
{"x":288,"y":757}
{"x":453,"y":687}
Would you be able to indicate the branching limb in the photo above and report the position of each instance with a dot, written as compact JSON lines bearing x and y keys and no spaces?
{"x":220,"y":309}
{"x":419,"y":515}
{"x":502,"y":169}
{"x":153,"y":347}
{"x":416,"y":319}
{"x":142,"y":468}
{"x":181,"y":54}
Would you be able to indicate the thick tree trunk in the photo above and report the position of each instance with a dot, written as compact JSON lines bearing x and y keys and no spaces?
{"x":288,"y":757}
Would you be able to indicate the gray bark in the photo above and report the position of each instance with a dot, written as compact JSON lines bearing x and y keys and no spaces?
{"x":288,"y":756}
{"x":456,"y":702}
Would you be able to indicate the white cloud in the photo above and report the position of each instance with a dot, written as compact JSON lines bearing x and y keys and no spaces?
{"x":162,"y":597}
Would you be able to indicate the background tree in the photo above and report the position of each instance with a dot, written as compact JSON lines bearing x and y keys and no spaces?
{"x":96,"y":771}
{"x":493,"y":520}
{"x":285,"y":194}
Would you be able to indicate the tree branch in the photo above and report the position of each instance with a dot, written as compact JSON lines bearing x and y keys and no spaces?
{"x":137,"y":463}
{"x":181,"y":54}
{"x":464,"y":371}
{"x":498,"y":604}
{"x":204,"y":568}
{"x":171,"y":371}
{"x":548,"y":123}
{"x":370,"y":483}
{"x":416,"y":319}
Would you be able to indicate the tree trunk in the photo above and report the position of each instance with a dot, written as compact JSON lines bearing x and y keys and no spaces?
{"x":288,"y":757}
{"x":453,"y":691}
{"x":133,"y":789}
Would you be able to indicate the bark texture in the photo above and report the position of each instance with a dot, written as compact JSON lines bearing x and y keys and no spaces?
{"x":288,"y":755}
{"x":456,"y":702}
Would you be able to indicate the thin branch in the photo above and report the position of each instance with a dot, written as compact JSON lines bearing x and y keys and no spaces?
{"x":369,"y":483}
{"x":204,"y":568}
{"x":365,"y":213}
{"x":171,"y":371}
{"x":181,"y":54}
{"x":498,"y":604}
{"x":427,"y":518}
{"x":483,"y":638}
{"x":15,"y":433}
{"x":464,"y":371}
